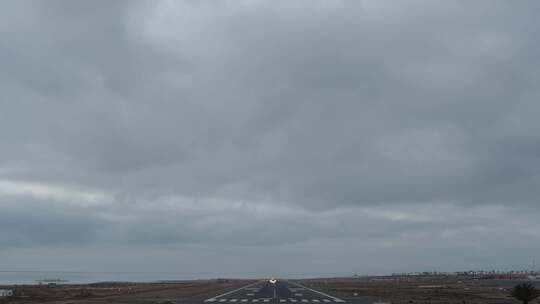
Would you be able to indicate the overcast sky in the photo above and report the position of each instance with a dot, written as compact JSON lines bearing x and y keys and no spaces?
{"x":287,"y":138}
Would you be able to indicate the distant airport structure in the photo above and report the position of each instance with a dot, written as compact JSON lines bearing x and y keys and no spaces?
{"x":48,"y":281}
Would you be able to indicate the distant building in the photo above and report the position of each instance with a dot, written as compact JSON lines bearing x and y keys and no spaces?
{"x":6,"y":293}
{"x":47,"y":281}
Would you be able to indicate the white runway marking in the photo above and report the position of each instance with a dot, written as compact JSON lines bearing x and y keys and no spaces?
{"x":250,"y":294}
{"x":293,"y":300}
{"x":326,"y":300}
{"x":282,"y":300}
{"x":233,"y":300}
{"x":222,"y":300}
{"x":298,"y":294}
{"x":266,"y":300}
{"x":229,"y":292}
{"x":321,"y":293}
{"x":255,"y":300}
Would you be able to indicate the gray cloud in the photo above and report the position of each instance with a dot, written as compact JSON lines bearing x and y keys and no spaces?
{"x":278,"y":128}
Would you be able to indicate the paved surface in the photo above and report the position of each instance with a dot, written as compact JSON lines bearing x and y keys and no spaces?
{"x":281,"y":292}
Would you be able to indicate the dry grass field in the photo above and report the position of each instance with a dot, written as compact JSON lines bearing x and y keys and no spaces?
{"x":189,"y":291}
{"x":418,"y":290}
{"x":395,"y":290}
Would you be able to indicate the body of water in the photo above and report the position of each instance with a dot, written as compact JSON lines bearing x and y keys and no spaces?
{"x":74,"y":277}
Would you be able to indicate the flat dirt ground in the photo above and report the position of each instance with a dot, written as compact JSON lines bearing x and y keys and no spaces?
{"x":418,"y":290}
{"x":121,"y":293}
{"x":395,"y":290}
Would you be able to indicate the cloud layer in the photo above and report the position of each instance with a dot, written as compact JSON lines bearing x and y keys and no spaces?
{"x":248,"y":137}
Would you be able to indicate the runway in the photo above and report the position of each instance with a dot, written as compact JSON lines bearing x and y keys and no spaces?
{"x":282,"y":291}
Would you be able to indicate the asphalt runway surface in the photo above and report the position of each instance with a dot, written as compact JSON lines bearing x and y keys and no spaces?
{"x":282,"y":291}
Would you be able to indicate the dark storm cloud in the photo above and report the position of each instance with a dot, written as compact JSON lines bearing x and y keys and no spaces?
{"x":266,"y":124}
